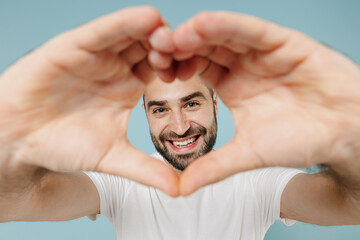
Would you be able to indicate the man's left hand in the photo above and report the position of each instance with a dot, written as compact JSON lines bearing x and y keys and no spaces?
{"x":295,"y":102}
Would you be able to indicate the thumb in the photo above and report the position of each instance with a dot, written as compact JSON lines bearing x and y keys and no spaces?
{"x":217,"y":165}
{"x":126,"y":161}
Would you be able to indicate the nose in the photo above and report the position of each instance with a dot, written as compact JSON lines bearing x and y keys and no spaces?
{"x":179,"y":123}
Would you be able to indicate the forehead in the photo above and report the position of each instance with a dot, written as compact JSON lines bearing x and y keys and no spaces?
{"x":158,"y":90}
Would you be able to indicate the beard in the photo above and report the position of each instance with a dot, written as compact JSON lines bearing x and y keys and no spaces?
{"x":181,"y":161}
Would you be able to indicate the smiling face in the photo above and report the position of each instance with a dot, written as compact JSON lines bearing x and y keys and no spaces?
{"x":182,"y":119}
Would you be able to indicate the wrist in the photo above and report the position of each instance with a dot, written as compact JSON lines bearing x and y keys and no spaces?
{"x":344,"y":152}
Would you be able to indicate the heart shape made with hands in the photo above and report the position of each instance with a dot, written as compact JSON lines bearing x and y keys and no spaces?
{"x":66,"y":106}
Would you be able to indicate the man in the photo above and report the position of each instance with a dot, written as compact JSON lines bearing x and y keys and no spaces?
{"x":65,"y":108}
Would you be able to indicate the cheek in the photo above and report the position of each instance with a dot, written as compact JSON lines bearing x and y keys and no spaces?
{"x":204,"y":118}
{"x":156,"y":126}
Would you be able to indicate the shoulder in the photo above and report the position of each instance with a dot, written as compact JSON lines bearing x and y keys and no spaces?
{"x":272,"y":173}
{"x":266,"y":180}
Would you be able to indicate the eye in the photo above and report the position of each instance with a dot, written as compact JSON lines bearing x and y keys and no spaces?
{"x":159,"y":110}
{"x":192,"y":104}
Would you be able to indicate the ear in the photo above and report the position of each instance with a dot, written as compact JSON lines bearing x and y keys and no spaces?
{"x":216,"y":103}
{"x":143,"y":106}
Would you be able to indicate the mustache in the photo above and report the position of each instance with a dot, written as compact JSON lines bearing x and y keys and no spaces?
{"x":190,"y":132}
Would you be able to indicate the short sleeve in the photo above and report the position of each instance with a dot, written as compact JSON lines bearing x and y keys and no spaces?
{"x":111,"y":192}
{"x":268,"y":185}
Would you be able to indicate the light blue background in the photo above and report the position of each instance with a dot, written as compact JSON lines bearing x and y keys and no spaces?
{"x":25,"y":25}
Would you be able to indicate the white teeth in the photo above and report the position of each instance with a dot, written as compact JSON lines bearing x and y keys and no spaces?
{"x":186,"y":143}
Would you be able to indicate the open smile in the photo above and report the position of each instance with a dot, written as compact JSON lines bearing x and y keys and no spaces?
{"x":181,"y":145}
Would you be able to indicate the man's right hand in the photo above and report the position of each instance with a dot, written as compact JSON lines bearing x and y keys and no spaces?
{"x":66,"y":106}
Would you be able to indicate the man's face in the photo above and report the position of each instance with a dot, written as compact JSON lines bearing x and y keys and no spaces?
{"x":182,"y":119}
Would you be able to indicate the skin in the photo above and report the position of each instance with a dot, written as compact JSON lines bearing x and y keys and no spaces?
{"x":90,"y":80}
{"x":175,"y":118}
{"x":65,"y":107}
{"x":294,"y":102}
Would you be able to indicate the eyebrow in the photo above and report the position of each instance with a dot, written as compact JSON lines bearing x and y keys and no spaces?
{"x":191,"y":96}
{"x":156,"y":103}
{"x":183,"y":99}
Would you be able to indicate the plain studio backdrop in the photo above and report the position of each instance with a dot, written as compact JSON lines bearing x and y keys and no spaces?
{"x":25,"y":25}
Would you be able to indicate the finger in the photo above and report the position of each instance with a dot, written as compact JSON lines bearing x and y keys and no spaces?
{"x":126,"y":161}
{"x":160,"y":60}
{"x":205,"y":51}
{"x":218,"y":54}
{"x":218,"y":165}
{"x":210,"y":71}
{"x":104,"y":32}
{"x":230,"y":44}
{"x":213,"y":74}
{"x":222,"y":56}
{"x":167,"y":75}
{"x":146,"y":45}
{"x":221,"y":27}
{"x":281,"y":60}
{"x":161,"y":40}
{"x":121,"y":45}
{"x":196,"y":65}
{"x":134,"y":53}
{"x":143,"y":71}
{"x":237,"y":47}
{"x":182,"y":55}
{"x":269,"y":50}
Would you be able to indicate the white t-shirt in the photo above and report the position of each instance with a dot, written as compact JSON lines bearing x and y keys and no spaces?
{"x":240,"y":207}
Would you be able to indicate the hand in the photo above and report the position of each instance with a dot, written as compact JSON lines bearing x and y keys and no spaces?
{"x":295,"y":102}
{"x":66,"y":106}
